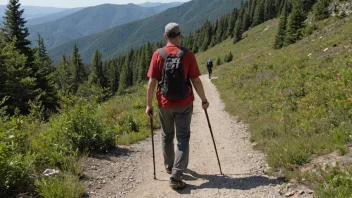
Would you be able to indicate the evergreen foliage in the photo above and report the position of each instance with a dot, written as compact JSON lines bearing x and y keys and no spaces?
{"x":96,"y":76}
{"x":26,"y":74}
{"x":320,"y":9}
{"x":44,"y":75}
{"x":77,"y":70}
{"x":281,"y":31}
{"x":295,"y":23}
{"x":63,"y":75}
{"x":14,"y":28}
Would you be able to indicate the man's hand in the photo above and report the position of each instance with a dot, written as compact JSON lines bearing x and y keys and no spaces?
{"x":149,"y":111}
{"x":205,"y":104}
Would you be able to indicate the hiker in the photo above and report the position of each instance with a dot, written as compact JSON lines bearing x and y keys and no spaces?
{"x":210,"y":67}
{"x":175,"y":100}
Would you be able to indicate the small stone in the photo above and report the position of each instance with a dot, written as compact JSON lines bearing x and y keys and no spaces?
{"x":301,"y":192}
{"x":290,"y":194}
{"x":310,"y":192}
{"x":103,"y":182}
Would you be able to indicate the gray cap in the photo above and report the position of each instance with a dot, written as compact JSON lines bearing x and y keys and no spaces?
{"x":172,"y":29}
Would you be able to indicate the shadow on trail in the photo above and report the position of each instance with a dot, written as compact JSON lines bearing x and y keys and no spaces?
{"x":113,"y":153}
{"x":227,"y":182}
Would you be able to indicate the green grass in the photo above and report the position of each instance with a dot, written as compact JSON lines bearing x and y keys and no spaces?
{"x":297,"y":100}
{"x":126,"y":115}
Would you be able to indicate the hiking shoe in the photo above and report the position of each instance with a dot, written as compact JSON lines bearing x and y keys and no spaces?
{"x":177,"y":184}
{"x":168,"y":170}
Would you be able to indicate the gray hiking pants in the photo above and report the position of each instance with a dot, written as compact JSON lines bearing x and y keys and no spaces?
{"x":176,"y":120}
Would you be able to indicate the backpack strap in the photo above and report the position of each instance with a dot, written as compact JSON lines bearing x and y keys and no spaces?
{"x":182,"y":52}
{"x":163,"y":53}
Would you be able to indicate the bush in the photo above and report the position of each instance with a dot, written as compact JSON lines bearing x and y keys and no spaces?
{"x":83,"y":130}
{"x":61,"y":186}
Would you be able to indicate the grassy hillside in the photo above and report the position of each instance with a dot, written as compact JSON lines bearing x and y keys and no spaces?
{"x":89,"y":21}
{"x":115,"y":41}
{"x":297,"y":100}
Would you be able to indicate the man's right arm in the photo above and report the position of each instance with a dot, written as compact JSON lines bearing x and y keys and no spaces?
{"x":198,"y":86}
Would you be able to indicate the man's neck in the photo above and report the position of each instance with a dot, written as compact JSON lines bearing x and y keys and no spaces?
{"x":175,"y":42}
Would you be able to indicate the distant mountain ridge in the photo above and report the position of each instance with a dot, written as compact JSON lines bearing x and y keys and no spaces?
{"x":91,"y":20}
{"x":52,"y":17}
{"x":112,"y":42}
{"x":32,"y":12}
{"x":150,"y":4}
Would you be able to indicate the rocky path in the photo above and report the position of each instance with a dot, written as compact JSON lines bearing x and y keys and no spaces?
{"x":128,"y":171}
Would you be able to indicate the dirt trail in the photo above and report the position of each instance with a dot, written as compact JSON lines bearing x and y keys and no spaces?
{"x":128,"y":171}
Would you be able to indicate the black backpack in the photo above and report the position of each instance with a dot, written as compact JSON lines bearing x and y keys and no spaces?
{"x":173,"y":84}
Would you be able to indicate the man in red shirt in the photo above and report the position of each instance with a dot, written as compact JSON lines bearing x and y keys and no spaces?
{"x":175,"y":115}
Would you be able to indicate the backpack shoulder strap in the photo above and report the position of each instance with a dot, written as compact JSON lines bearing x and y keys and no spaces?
{"x":163,"y":53}
{"x":182,"y":52}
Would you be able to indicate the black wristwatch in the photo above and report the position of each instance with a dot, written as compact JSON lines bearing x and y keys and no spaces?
{"x":206,"y":101}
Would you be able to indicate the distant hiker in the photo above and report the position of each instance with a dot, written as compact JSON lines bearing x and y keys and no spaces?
{"x":173,"y":68}
{"x":210,"y":67}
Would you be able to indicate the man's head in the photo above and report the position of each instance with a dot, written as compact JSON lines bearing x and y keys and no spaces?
{"x":172,"y":31}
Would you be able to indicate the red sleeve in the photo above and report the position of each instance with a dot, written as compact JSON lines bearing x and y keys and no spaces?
{"x":154,"y":69}
{"x":193,"y":69}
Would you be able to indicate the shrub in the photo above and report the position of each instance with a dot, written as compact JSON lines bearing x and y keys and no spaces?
{"x":60,"y":186}
{"x":83,"y":130}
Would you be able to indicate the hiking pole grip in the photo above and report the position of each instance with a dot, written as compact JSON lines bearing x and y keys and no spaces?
{"x":152,"y":134}
{"x":212,"y":136}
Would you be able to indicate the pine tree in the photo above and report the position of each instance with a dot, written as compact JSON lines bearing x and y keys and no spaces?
{"x":44,"y":76}
{"x":14,"y":29}
{"x":207,"y":34}
{"x":218,"y":61}
{"x":20,"y":86}
{"x":96,"y":76}
{"x":229,"y":57}
{"x":246,"y":23}
{"x":269,"y":10}
{"x":77,"y":70}
{"x":295,"y":23}
{"x":63,"y":76}
{"x":237,"y":31}
{"x":281,"y":32}
{"x":320,"y":9}
{"x":232,"y":22}
{"x":258,"y":17}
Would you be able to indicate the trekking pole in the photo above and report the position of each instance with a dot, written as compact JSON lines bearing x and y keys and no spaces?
{"x":152,"y":134}
{"x":212,"y":136}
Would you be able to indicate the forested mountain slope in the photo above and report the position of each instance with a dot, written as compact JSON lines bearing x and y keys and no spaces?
{"x":115,"y":41}
{"x":91,"y":20}
{"x":52,"y":17}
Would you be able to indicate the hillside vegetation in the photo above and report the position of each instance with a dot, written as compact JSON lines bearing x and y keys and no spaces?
{"x":297,"y":100}
{"x":91,"y":20}
{"x":113,"y":42}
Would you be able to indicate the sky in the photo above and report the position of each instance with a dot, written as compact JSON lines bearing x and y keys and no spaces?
{"x":82,"y":3}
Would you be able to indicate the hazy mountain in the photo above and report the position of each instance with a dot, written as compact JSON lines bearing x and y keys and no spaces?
{"x":32,"y":12}
{"x":112,"y":42}
{"x":91,"y":20}
{"x":52,"y":17}
{"x":150,"y":4}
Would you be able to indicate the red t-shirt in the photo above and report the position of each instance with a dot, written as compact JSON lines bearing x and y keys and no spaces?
{"x":190,"y":69}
